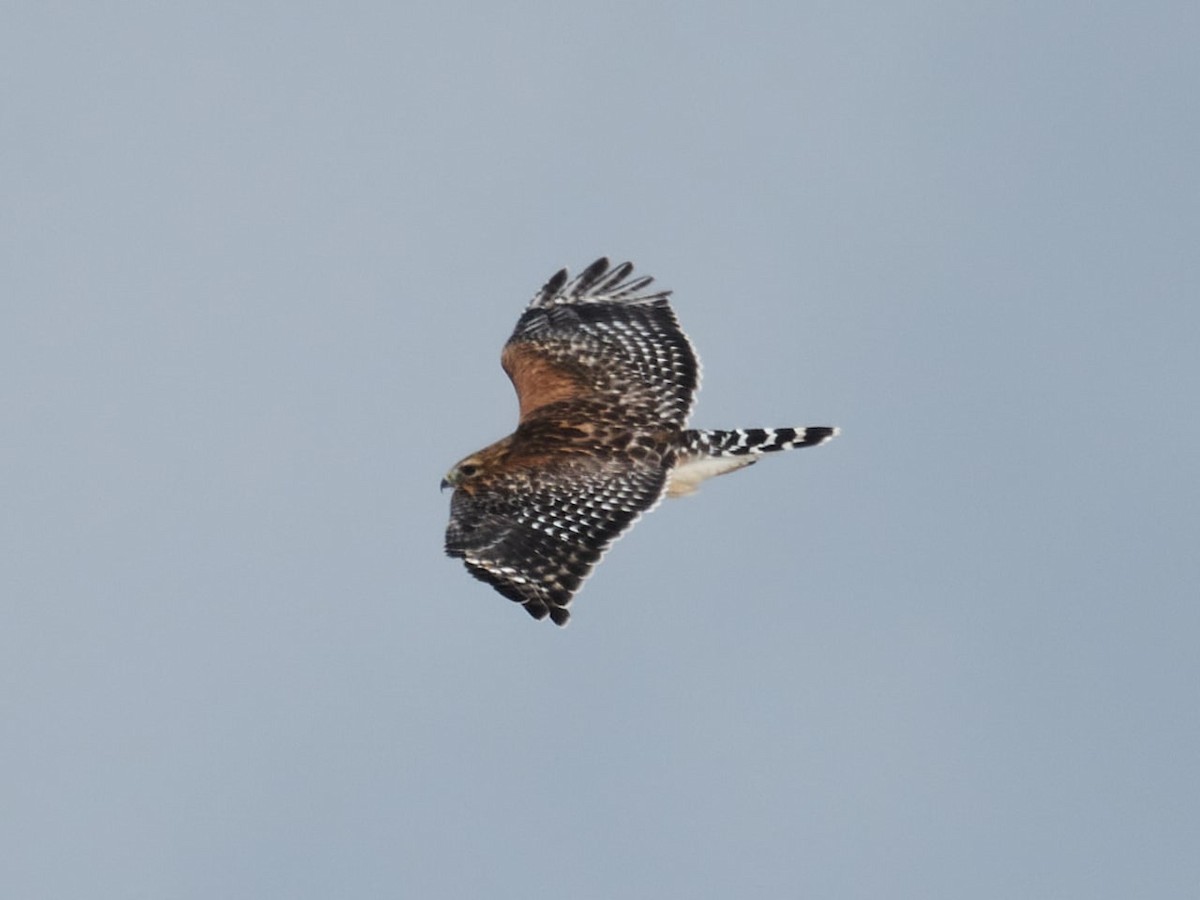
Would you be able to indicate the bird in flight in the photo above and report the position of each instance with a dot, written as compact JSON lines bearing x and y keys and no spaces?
{"x":605,"y":379}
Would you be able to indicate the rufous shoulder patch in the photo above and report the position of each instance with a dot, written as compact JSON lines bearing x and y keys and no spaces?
{"x":538,"y":380}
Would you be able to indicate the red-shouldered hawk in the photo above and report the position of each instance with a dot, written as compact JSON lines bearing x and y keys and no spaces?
{"x":605,"y":379}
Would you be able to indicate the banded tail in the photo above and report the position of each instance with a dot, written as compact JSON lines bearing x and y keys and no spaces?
{"x":704,"y":454}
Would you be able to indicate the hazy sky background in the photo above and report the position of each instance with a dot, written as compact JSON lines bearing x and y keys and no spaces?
{"x":256,"y":265}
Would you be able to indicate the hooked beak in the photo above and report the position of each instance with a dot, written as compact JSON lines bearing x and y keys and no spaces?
{"x":445,"y":484}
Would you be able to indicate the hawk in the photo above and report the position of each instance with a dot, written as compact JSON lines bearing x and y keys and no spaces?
{"x":605,"y":379}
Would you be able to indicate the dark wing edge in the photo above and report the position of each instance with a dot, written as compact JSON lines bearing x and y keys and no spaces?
{"x":542,"y":560}
{"x":599,"y":282}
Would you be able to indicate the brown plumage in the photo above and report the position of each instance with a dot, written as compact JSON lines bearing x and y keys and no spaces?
{"x":605,"y":380}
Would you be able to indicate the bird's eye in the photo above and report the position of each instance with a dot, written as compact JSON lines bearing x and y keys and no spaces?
{"x":468,"y":470}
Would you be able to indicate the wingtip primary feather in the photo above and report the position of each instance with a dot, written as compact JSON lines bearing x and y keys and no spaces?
{"x":553,"y":285}
{"x":599,"y":282}
{"x":586,"y":280}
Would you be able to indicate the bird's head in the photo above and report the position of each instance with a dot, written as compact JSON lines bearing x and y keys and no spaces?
{"x":463,"y":472}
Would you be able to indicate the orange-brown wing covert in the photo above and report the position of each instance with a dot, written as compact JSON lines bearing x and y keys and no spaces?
{"x":600,"y":338}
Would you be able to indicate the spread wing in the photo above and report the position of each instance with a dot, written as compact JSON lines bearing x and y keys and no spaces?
{"x":535,"y":534}
{"x":601,"y":338}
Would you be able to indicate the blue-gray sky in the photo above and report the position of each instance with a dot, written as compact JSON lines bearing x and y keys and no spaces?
{"x":257,"y":264}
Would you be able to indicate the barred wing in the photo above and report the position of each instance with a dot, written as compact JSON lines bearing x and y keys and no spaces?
{"x":600,"y":337}
{"x":535,"y":535}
